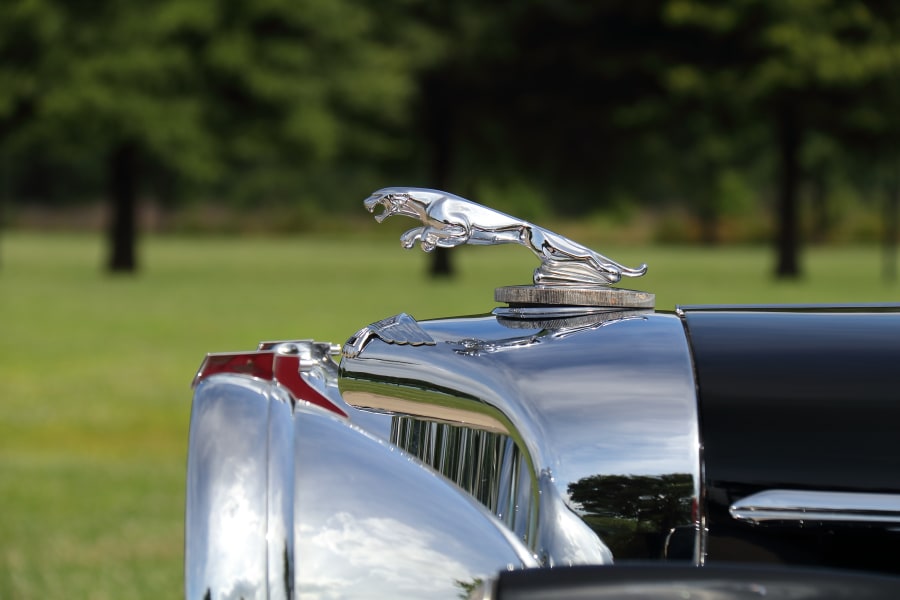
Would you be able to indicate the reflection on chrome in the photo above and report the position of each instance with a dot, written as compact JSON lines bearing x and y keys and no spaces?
{"x":449,"y":221}
{"x":538,"y":425}
{"x":807,"y":507}
{"x":285,"y":499}
{"x":621,"y":505}
{"x":363,"y":545}
{"x":228,"y":511}
{"x":485,"y":464}
{"x":373,"y":518}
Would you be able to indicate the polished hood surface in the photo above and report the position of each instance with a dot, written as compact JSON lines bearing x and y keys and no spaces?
{"x":600,"y":409}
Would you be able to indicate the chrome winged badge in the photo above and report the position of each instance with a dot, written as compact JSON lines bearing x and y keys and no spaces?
{"x":400,"y":329}
{"x":449,"y":221}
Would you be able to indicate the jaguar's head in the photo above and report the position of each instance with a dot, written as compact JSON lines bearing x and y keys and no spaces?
{"x":410,"y":202}
{"x":393,"y":201}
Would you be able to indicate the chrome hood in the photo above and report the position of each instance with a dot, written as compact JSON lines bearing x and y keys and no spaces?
{"x":579,"y":433}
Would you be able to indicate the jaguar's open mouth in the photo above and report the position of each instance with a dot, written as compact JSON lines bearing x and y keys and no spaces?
{"x":375,"y":200}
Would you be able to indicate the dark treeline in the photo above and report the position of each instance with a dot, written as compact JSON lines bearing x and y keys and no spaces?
{"x":530,"y":105}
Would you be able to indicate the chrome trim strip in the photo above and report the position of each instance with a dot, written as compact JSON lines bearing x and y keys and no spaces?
{"x":806,"y":507}
{"x":681,"y":310}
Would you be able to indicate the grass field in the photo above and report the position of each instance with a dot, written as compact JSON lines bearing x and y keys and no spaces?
{"x":95,"y":369}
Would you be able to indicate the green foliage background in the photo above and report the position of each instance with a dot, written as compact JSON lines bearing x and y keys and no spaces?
{"x":667,"y":121}
{"x":718,"y":108}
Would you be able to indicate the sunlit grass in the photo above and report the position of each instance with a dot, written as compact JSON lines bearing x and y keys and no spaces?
{"x":95,"y":369}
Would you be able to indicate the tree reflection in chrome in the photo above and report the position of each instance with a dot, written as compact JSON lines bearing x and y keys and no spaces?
{"x":634,"y":514}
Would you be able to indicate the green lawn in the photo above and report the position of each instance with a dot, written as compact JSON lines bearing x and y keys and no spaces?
{"x":95,"y":370}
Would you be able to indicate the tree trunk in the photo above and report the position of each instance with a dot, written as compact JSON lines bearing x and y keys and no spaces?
{"x":21,"y":114}
{"x":787,"y":243}
{"x":439,"y":124}
{"x":822,"y":222}
{"x":122,"y":163}
{"x":4,"y":191}
{"x":891,"y":228}
{"x":708,"y":218}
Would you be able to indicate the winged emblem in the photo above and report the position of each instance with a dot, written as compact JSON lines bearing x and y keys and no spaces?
{"x":400,"y":329}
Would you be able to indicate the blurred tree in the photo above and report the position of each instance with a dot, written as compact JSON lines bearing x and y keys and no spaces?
{"x":22,"y":33}
{"x":575,"y":98}
{"x":562,"y":94}
{"x":212,"y":91}
{"x":443,"y":112}
{"x":539,"y":94}
{"x":892,"y":227}
{"x":104,"y":81}
{"x":305,"y":86}
{"x":799,"y":65}
{"x":869,"y":124}
{"x":584,"y":103}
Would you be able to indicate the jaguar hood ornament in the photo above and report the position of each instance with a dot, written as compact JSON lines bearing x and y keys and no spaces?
{"x":570,"y":273}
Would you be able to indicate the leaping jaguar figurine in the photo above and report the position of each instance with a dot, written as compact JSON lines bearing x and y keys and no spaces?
{"x":449,"y":220}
